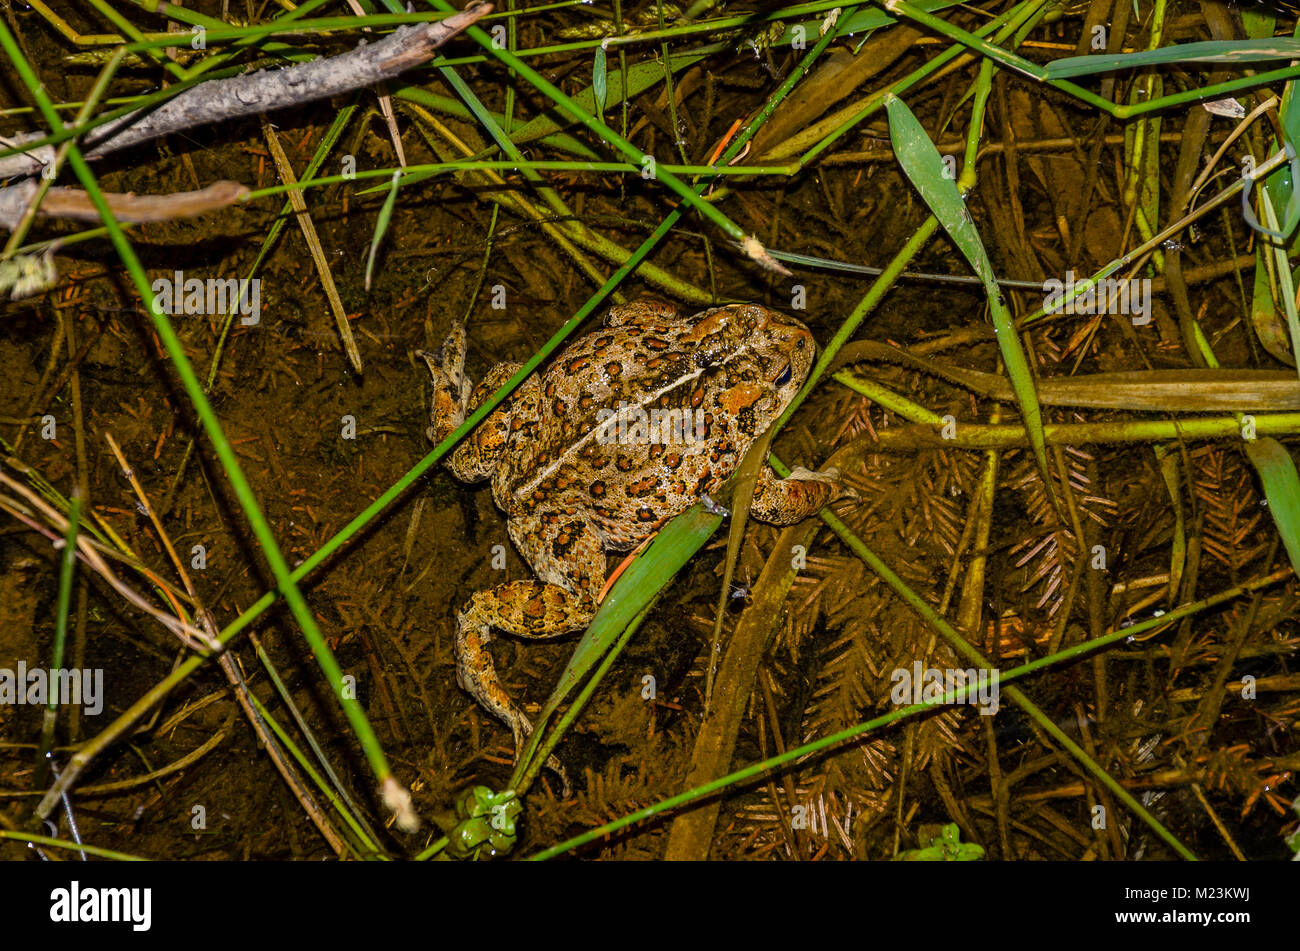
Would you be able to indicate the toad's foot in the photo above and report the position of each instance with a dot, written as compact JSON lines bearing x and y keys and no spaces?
{"x":831,"y":475}
{"x":787,"y":501}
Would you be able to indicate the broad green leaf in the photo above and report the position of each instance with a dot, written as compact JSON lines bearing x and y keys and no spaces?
{"x":1282,"y":268}
{"x":642,"y":581}
{"x":626,"y":605}
{"x":925,"y":168}
{"x":1259,"y":21}
{"x":1281,"y":484}
{"x":1264,"y":317}
{"x":598,"y":89}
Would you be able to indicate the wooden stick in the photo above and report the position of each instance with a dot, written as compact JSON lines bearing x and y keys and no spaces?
{"x":264,"y":91}
{"x":75,"y":203}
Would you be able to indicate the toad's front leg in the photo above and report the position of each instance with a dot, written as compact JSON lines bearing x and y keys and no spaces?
{"x":564,"y":550}
{"x":479,"y":454}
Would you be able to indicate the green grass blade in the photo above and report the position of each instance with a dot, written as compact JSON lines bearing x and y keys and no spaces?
{"x":353,"y":812}
{"x":1280,"y":187}
{"x":381,"y":224}
{"x":480,"y":112}
{"x":53,"y":843}
{"x":1208,"y":51}
{"x":360,"y":844}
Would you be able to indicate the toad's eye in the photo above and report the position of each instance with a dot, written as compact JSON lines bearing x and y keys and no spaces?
{"x":785,"y":376}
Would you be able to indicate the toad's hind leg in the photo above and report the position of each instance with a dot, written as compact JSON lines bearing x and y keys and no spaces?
{"x":565,"y":552}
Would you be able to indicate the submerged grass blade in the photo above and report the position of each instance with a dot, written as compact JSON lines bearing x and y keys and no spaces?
{"x":450,"y":107}
{"x":313,"y":244}
{"x":67,"y":571}
{"x":640,"y":77}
